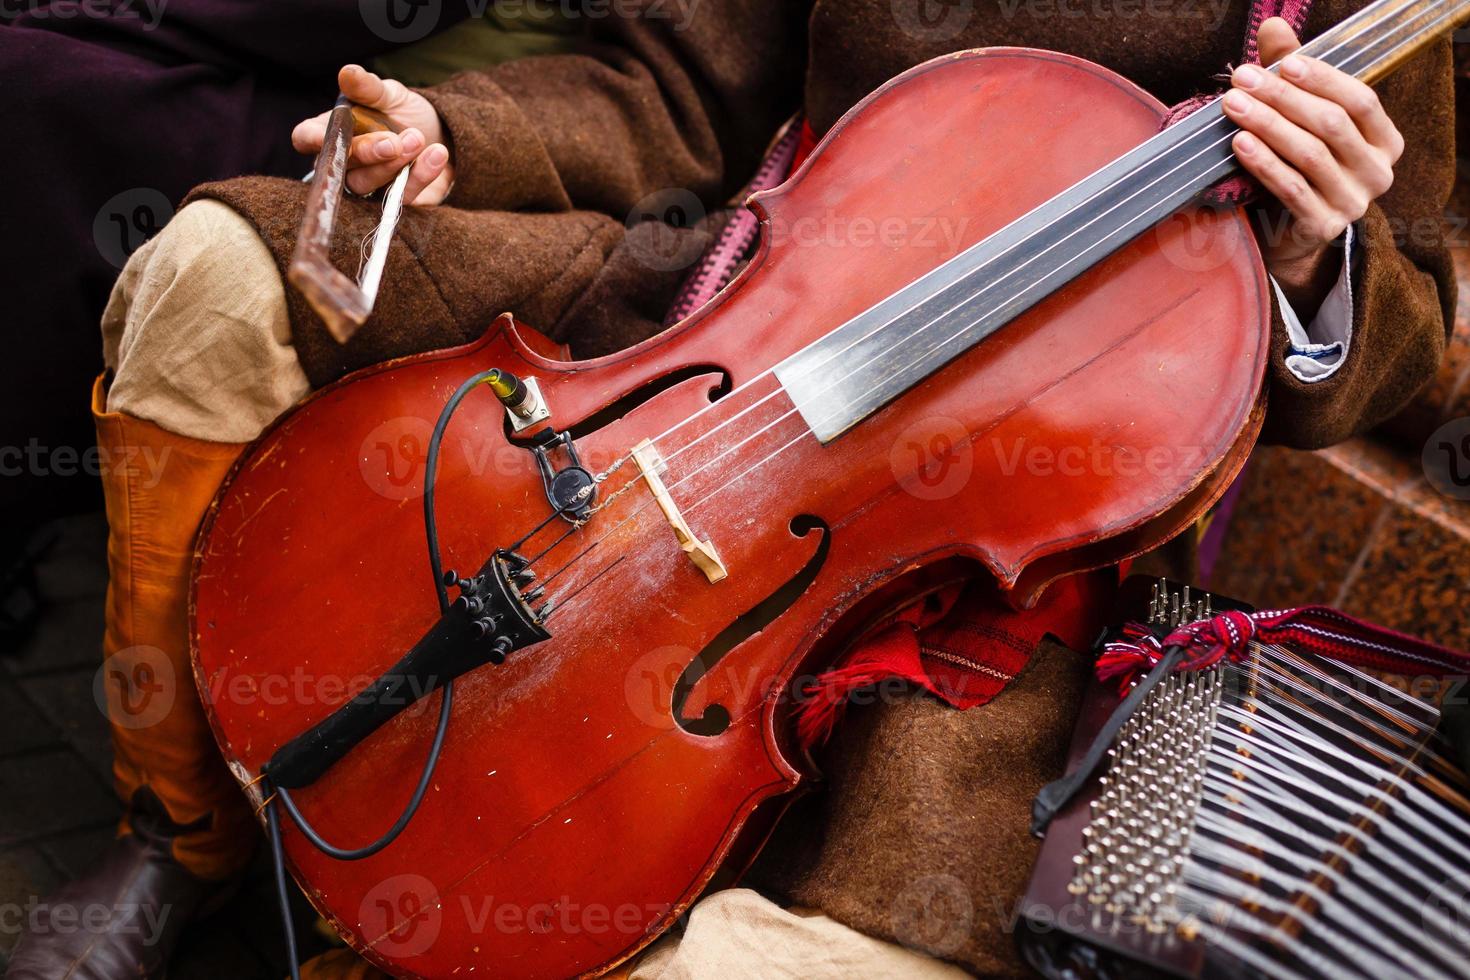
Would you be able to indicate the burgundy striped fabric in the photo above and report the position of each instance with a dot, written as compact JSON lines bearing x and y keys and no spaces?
{"x":1321,"y":630}
{"x":718,"y":264}
{"x":1235,"y":191}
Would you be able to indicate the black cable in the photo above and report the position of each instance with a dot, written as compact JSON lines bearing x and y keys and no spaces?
{"x":431,"y":473}
{"x":426,"y":777}
{"x":273,"y":820}
{"x":431,"y":532}
{"x":441,"y":590}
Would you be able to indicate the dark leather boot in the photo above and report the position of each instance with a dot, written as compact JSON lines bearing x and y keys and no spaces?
{"x":123,"y":918}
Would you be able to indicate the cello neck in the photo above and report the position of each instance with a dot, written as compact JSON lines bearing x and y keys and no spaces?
{"x":1376,"y":40}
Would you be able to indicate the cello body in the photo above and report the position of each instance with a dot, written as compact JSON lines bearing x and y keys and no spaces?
{"x":593,"y":785}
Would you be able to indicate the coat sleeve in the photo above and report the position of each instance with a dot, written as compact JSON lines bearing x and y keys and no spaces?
{"x":1403,"y":277}
{"x":662,"y":94}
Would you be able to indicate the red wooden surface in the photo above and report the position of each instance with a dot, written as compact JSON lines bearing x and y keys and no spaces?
{"x":570,"y":818}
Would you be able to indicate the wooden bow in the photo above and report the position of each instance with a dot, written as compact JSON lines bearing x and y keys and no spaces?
{"x":343,"y":304}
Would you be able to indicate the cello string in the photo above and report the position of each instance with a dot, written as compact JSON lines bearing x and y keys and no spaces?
{"x":970,"y":297}
{"x":1216,"y":124}
{"x":1228,"y":165}
{"x":989,"y":285}
{"x":1220,"y":122}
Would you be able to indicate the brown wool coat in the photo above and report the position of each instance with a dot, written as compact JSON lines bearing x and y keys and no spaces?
{"x":920,"y":837}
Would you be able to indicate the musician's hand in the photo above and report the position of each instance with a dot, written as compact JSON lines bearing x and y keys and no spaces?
{"x":376,"y":158}
{"x":1319,"y":141}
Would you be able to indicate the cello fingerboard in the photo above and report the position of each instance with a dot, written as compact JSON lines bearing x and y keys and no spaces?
{"x":889,"y":348}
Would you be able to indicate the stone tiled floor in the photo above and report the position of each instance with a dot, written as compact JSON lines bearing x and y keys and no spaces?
{"x":57,"y":808}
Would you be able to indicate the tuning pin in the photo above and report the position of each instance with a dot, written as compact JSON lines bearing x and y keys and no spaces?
{"x":484,"y":627}
{"x":451,"y":577}
{"x":500,"y":649}
{"x":468,"y":604}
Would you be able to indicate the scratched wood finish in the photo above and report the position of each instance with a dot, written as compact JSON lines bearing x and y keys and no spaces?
{"x":571,"y":818}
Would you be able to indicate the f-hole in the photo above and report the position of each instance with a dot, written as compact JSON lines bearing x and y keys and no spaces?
{"x":609,"y":414}
{"x":716,"y":717}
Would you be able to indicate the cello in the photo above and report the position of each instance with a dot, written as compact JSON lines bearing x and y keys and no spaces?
{"x":652,"y":546}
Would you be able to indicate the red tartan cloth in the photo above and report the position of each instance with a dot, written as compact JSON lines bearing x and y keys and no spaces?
{"x":962,"y":644}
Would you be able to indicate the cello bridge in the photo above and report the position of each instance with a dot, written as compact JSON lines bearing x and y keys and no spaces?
{"x":702,"y":553}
